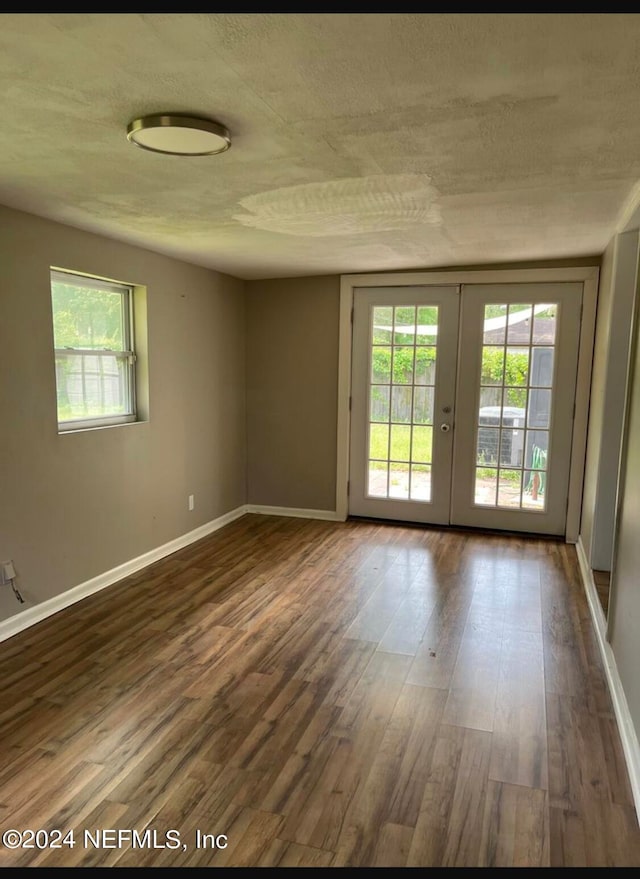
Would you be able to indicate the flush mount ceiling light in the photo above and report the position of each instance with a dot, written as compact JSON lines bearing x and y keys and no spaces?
{"x":179,"y":135}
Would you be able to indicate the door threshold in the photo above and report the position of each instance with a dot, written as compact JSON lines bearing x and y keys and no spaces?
{"x":461,"y":529}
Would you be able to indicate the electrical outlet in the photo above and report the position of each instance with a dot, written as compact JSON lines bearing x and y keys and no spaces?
{"x":7,"y":571}
{"x":191,"y":502}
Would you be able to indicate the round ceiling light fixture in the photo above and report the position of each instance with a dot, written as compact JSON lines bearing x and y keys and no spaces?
{"x":176,"y":134}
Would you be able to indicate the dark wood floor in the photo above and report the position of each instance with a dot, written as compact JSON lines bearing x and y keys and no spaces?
{"x":322,"y":694}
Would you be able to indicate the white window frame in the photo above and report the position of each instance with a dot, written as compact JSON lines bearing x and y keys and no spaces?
{"x":127,"y":355}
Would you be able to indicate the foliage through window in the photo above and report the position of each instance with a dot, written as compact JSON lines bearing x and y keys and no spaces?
{"x":95,"y":361}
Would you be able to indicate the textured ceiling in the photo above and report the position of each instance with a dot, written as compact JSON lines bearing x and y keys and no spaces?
{"x":360,"y":141}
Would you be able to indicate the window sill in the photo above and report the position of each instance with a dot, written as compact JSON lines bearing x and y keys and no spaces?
{"x":91,"y":429}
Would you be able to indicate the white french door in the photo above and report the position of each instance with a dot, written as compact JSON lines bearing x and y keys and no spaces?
{"x":462,"y":404}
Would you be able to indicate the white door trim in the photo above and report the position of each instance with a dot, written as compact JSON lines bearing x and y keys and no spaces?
{"x":587,"y":274}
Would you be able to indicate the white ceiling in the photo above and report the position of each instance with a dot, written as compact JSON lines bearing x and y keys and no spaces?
{"x":360,"y":141}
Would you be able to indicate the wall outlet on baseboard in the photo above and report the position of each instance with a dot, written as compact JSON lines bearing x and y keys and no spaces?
{"x":191,"y":502}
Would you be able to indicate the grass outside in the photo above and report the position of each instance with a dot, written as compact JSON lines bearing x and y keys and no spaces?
{"x":401,"y":447}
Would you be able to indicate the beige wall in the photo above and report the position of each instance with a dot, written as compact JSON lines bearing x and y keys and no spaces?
{"x":624,"y":624}
{"x":596,"y":404}
{"x":292,"y":380}
{"x":77,"y":505}
{"x":610,"y":365}
{"x":292,"y":373}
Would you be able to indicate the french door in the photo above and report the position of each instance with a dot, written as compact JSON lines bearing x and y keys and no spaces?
{"x":462,"y":404}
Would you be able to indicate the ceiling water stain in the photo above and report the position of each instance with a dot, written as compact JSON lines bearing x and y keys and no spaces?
{"x":344,"y":207}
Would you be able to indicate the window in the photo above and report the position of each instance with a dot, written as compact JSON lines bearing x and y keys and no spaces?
{"x":95,"y":361}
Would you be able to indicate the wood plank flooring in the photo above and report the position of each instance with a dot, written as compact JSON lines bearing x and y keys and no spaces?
{"x":322,"y":694}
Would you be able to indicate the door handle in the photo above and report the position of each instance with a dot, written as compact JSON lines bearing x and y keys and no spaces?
{"x":445,"y":428}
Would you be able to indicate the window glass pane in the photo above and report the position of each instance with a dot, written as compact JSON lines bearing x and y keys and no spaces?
{"x":87,"y":318}
{"x":92,"y":386}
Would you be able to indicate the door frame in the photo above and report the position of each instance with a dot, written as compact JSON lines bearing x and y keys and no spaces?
{"x":588,"y":275}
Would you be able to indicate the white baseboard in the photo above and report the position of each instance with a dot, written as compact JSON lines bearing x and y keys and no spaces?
{"x":33,"y":615}
{"x":295,"y":512}
{"x":628,"y":734}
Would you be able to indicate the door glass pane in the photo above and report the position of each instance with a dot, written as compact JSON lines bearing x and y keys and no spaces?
{"x":420,"y":482}
{"x":380,"y":365}
{"x":425,"y":366}
{"x":542,"y":367}
{"x":492,"y":366}
{"x":488,"y":445}
{"x":404,"y":325}
{"x":382,"y":325}
{"x":539,"y":411}
{"x":401,"y":400}
{"x":509,"y":484}
{"x":516,"y":367}
{"x":519,"y":328}
{"x":423,"y":405}
{"x":379,"y":441}
{"x":403,"y":344}
{"x":378,"y":476}
{"x":400,"y":443}
{"x":514,"y":406}
{"x":486,"y":486}
{"x":511,"y":447}
{"x":403,"y":365}
{"x":494,"y":324}
{"x":544,"y":325}
{"x":490,"y":402}
{"x":533,"y":489}
{"x":427,"y":328}
{"x":537,"y":450}
{"x":399,"y":481}
{"x":379,"y":403}
{"x":421,"y":446}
